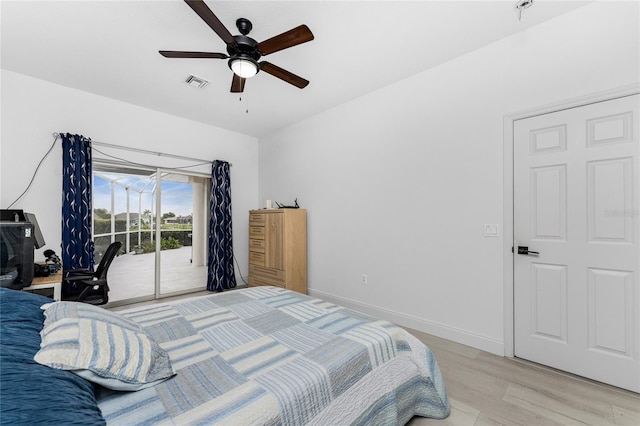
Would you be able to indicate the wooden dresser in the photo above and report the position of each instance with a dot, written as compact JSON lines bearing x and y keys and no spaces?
{"x":278,"y":248}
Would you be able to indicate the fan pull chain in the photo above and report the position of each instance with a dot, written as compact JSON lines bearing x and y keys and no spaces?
{"x":246,"y":105}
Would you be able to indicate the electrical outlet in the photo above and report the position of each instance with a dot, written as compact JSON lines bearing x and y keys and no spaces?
{"x":364,"y":279}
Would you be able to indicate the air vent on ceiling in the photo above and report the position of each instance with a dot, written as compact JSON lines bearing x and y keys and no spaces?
{"x":200,"y":82}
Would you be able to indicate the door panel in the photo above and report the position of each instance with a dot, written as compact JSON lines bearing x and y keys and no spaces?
{"x":609,"y":190}
{"x":549,"y":202}
{"x":576,"y":203}
{"x":610,"y":311}
{"x":549,"y":299}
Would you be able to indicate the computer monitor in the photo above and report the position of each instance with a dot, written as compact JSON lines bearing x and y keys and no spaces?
{"x":37,"y":233}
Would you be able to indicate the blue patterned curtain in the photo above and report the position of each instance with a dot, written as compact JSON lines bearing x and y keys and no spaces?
{"x":77,"y":246}
{"x":221,"y":274}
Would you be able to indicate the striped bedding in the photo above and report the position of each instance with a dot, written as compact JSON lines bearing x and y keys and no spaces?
{"x":268,"y":356}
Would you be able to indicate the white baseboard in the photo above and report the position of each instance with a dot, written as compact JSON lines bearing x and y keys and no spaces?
{"x":464,"y":337}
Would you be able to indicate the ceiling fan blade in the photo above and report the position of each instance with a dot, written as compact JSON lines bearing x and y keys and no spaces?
{"x":237,"y":84}
{"x":298,"y":35}
{"x":180,"y":54}
{"x":283,"y":74}
{"x":210,"y":19}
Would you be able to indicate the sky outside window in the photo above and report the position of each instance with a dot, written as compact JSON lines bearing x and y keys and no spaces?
{"x":177,"y":196}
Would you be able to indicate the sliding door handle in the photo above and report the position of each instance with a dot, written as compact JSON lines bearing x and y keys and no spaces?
{"x":525,"y":250}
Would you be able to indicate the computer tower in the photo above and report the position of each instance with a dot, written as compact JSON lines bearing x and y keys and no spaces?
{"x":17,"y":240}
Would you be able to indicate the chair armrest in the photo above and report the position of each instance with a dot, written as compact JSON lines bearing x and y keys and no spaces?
{"x":77,"y":273}
{"x":74,"y":278}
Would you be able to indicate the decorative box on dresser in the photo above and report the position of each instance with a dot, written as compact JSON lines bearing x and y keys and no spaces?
{"x":278,"y":248}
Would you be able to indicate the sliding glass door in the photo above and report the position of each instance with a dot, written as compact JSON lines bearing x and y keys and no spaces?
{"x":119,"y":199}
{"x":182,"y":228}
{"x":161,"y":219}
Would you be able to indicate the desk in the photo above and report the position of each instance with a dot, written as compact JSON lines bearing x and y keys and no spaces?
{"x":52,"y":281}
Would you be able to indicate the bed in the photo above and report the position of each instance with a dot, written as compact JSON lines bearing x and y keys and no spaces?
{"x":261,"y":355}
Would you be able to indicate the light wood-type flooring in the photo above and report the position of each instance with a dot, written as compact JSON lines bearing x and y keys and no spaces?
{"x":486,"y":389}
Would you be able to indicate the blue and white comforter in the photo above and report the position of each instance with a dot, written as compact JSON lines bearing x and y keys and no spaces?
{"x":268,"y":356}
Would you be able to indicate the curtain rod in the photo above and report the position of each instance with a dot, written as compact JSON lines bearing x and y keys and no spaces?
{"x":144,"y":151}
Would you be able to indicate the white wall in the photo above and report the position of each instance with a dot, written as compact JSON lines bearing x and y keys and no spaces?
{"x":33,"y":109}
{"x":399,"y":183}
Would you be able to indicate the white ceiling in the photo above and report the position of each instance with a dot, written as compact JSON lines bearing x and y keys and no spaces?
{"x":110,"y":48}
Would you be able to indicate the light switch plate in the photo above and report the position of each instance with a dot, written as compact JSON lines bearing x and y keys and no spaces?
{"x":491,"y":230}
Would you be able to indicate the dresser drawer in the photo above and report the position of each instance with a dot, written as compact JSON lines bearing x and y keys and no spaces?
{"x":257,"y":232}
{"x":256,"y":219}
{"x":257,"y":281}
{"x":273,"y":276}
{"x":256,"y":258}
{"x":256,"y":245}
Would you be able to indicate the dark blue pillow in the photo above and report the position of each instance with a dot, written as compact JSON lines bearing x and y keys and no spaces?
{"x":32,"y":393}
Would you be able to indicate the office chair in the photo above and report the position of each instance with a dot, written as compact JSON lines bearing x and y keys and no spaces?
{"x":82,"y":285}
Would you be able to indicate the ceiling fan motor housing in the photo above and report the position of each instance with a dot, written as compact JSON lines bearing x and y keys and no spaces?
{"x":245,"y":47}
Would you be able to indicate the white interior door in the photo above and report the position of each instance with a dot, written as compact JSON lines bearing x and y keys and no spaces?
{"x":576,"y":203}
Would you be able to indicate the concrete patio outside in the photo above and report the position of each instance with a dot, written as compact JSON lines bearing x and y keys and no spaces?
{"x":132,"y":275}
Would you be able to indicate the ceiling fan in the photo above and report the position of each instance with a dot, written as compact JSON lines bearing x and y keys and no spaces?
{"x":244,"y":52}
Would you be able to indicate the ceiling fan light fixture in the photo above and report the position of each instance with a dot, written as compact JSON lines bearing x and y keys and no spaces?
{"x":244,"y":67}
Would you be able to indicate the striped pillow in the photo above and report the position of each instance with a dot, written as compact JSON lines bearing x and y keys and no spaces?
{"x":105,"y":353}
{"x":57,"y":311}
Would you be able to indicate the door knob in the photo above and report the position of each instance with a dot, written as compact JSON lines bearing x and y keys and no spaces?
{"x":525,"y":250}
